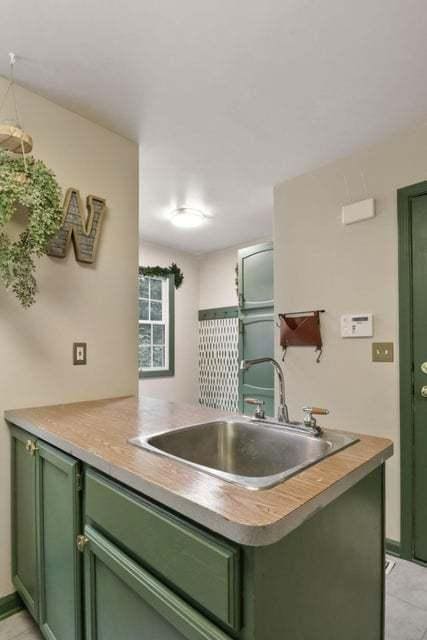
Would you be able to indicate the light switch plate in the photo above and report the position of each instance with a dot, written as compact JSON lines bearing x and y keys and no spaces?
{"x":382,"y":352}
{"x":79,"y":353}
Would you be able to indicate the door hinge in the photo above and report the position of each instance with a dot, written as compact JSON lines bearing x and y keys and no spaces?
{"x":31,"y":447}
{"x":81,"y":542}
{"x":79,"y":482}
{"x":241,"y":327}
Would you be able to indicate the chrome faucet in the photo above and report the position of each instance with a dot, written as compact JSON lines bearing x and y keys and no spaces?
{"x":282,"y":413}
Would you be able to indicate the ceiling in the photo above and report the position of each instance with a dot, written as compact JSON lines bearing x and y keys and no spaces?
{"x":226,"y":97}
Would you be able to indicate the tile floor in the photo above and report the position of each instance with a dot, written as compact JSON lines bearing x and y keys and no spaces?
{"x":406,"y":608}
{"x":19,"y":627}
{"x":406,"y":602}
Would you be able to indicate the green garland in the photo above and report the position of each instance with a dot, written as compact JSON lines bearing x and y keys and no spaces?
{"x":164,"y":272}
{"x":33,"y":186}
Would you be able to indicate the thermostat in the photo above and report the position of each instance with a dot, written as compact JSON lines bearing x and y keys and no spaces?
{"x":357,"y":326}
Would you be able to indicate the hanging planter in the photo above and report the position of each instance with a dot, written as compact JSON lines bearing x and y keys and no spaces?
{"x":30,"y":184}
{"x":13,"y":139}
{"x":12,"y":136}
{"x":24,"y":183}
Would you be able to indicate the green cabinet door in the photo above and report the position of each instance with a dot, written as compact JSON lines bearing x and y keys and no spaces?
{"x":58,"y":517}
{"x":256,"y":341}
{"x":46,"y":520}
{"x":256,"y":324}
{"x":123,"y":600}
{"x":256,"y":277}
{"x":24,"y":542}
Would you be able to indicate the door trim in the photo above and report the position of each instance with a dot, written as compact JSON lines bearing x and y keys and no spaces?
{"x":406,"y":353}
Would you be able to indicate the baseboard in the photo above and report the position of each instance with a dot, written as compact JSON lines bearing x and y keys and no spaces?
{"x":392,"y":547}
{"x":9,"y":605}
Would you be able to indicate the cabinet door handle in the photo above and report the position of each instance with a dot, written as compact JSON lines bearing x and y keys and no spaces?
{"x":424,"y":391}
{"x":31,"y":447}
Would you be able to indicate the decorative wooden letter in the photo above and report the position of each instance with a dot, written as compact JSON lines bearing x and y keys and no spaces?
{"x":85,"y":232}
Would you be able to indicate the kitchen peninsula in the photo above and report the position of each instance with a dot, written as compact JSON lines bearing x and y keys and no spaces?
{"x":164,"y":550}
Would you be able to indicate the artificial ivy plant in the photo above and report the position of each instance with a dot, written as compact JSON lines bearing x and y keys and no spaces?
{"x":164,"y":272}
{"x":28,"y":183}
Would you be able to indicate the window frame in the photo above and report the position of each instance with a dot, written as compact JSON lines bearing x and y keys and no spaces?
{"x":170,"y":330}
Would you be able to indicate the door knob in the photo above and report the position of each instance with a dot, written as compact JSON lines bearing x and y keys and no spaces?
{"x":424,"y":391}
{"x":423,"y":367}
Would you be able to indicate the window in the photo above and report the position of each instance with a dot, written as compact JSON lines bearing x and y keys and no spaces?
{"x":156,"y":327}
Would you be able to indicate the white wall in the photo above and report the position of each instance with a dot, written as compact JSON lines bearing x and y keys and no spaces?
{"x":218,"y":276}
{"x":96,"y":304}
{"x":217,"y":279}
{"x":184,"y":385}
{"x":319,"y":263}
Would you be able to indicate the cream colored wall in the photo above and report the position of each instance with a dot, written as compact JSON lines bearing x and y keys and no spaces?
{"x":96,"y":304}
{"x":184,"y":385}
{"x":319,"y":263}
{"x":217,"y":279}
{"x":218,"y":276}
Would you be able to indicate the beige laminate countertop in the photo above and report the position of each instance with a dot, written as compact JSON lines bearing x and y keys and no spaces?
{"x":97,"y":433}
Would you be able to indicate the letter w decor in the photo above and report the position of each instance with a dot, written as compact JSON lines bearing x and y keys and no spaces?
{"x":84,"y":231}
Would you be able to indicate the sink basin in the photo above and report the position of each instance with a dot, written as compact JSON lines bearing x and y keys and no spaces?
{"x":252,"y":454}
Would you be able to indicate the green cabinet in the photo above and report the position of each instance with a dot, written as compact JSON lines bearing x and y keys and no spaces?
{"x":150,"y":574}
{"x":123,"y":600}
{"x":24,"y":538}
{"x":58,"y":516}
{"x":46,"y":521}
{"x":200,"y":566}
{"x":256,"y":324}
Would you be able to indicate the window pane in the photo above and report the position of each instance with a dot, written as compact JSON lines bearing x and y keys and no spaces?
{"x":156,"y":311}
{"x":158,"y":334}
{"x":145,"y":334}
{"x":143,"y":287}
{"x":145,"y":357}
{"x":144,"y":310}
{"x":158,"y":357}
{"x":155,"y":289}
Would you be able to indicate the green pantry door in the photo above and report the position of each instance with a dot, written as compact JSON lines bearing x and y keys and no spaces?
{"x":419,"y":297}
{"x":256,"y":324}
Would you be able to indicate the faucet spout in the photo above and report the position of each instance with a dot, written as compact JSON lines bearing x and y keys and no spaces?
{"x":283,"y":414}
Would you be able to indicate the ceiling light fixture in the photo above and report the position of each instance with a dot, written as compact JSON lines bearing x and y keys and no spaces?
{"x":188,"y":218}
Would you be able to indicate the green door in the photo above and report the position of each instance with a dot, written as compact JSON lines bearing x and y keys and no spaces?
{"x":123,"y":600}
{"x":419,"y":297}
{"x":59,"y":561}
{"x":256,"y":277}
{"x":256,"y":324}
{"x":24,"y":543}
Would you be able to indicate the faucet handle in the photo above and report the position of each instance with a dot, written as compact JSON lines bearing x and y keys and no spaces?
{"x":317,"y":411}
{"x":309,"y":413}
{"x":259,"y":411}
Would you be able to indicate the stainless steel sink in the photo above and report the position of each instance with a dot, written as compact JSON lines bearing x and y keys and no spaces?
{"x":253,"y":454}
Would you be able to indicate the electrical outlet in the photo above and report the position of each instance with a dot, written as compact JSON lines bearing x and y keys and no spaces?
{"x":382,"y":352}
{"x":79,"y":353}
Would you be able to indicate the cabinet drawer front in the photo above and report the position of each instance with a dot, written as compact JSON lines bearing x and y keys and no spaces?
{"x":124,"y":600}
{"x":198,"y":565}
